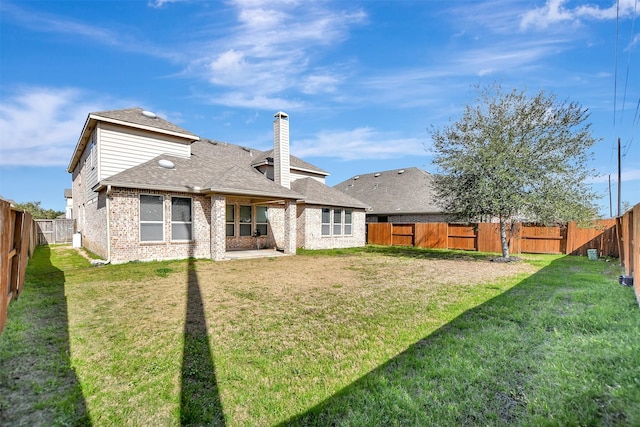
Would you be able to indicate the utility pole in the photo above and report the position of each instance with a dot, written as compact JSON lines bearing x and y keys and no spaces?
{"x":619,"y":181}
{"x":610,"y":205}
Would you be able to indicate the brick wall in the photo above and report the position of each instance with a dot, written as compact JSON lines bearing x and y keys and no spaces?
{"x":313,"y":238}
{"x":90,"y":213}
{"x":409,"y":219}
{"x":125,"y":228}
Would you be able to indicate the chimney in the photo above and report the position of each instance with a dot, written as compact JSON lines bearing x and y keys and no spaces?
{"x":281,"y":166}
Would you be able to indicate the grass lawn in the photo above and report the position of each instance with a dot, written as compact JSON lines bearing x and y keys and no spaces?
{"x":372,"y":336}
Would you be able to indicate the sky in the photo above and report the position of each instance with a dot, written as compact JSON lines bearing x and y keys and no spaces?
{"x":363,"y":82}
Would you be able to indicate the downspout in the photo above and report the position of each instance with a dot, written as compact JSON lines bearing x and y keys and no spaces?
{"x":108,"y":224}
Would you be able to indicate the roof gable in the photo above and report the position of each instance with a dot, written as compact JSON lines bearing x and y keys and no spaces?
{"x":316,"y":193}
{"x":213,"y":167}
{"x":398,"y":191}
{"x":131,"y":117}
{"x":294,"y":163}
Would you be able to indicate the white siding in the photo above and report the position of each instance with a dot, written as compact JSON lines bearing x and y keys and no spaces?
{"x":123,"y":148}
{"x":296,"y":176}
{"x":91,"y":166}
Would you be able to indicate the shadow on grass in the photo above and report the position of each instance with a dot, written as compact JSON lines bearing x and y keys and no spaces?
{"x":200,"y":399}
{"x":404,"y":252}
{"x":38,"y":385}
{"x":541,"y":353}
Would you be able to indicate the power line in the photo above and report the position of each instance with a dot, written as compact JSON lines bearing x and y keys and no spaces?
{"x":626,"y":77}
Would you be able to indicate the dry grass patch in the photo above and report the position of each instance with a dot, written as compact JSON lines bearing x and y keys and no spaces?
{"x":284,"y":333}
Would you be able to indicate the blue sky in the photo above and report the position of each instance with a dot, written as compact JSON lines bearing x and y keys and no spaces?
{"x":362,"y":81}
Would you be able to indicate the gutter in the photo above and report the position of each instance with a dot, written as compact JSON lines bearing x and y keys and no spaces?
{"x":108,"y":193}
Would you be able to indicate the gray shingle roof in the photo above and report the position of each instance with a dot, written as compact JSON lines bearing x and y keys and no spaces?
{"x":316,"y":193}
{"x":295,"y":162}
{"x":135,"y":116}
{"x":392,"y":192}
{"x":213,"y":167}
{"x":129,"y":116}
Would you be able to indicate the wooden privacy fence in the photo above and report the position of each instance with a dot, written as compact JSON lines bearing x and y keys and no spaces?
{"x":485,"y":237}
{"x":628,"y":228}
{"x":52,"y":231}
{"x":17,"y":244}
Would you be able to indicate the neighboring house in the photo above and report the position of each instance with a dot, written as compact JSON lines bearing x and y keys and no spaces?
{"x":146,"y":189}
{"x":399,"y":196}
{"x":68,"y":196}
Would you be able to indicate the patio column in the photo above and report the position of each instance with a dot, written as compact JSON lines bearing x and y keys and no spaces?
{"x":218,"y":233}
{"x":290,"y":229}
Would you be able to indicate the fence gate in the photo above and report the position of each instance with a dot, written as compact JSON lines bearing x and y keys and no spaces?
{"x":51,"y":231}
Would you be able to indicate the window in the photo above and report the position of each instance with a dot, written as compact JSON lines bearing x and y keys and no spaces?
{"x":261,"y":220}
{"x":231,"y":215}
{"x":347,"y":222}
{"x":151,"y":218}
{"x":337,"y":222}
{"x":326,"y":222}
{"x":245,"y":220}
{"x":181,"y":225}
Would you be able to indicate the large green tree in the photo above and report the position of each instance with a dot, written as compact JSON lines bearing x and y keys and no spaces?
{"x":514,"y":157}
{"x":37,"y":211}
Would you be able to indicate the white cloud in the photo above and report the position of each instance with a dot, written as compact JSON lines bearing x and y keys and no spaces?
{"x":555,"y":12}
{"x":40,"y":126}
{"x":118,"y":38}
{"x":358,"y":144}
{"x":160,"y":3}
{"x":260,"y":102}
{"x":274,"y":48}
{"x":627,"y":175}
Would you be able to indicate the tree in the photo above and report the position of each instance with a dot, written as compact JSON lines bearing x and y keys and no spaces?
{"x":514,"y":157}
{"x":36,"y":211}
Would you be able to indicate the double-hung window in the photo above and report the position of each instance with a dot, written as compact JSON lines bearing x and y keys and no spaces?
{"x":261,"y":220}
{"x":181,"y":222}
{"x":337,"y":222}
{"x":245,"y":220}
{"x":347,"y":222}
{"x":151,"y":218}
{"x":230,"y":220}
{"x":326,"y":222}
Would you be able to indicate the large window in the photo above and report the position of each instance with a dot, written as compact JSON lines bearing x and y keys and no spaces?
{"x":347,"y":222}
{"x":245,"y":220}
{"x":261,"y":220}
{"x":326,"y":222}
{"x":181,"y":224}
{"x":230,"y":219}
{"x":337,"y":222}
{"x":151,"y":218}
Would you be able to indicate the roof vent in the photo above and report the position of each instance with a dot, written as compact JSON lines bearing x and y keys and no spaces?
{"x":401,"y":171}
{"x":167,"y":164}
{"x":377,"y":175}
{"x":149,"y":114}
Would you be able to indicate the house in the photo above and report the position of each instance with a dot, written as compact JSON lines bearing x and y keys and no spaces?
{"x":146,"y":189}
{"x":68,"y":196}
{"x":398,"y":196}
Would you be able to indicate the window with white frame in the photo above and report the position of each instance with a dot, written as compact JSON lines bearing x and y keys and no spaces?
{"x":151,"y":218}
{"x":181,"y":222}
{"x":245,"y":220}
{"x":337,"y":222}
{"x":230,"y":219}
{"x":261,"y":220}
{"x":326,"y":221}
{"x":347,"y":222}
